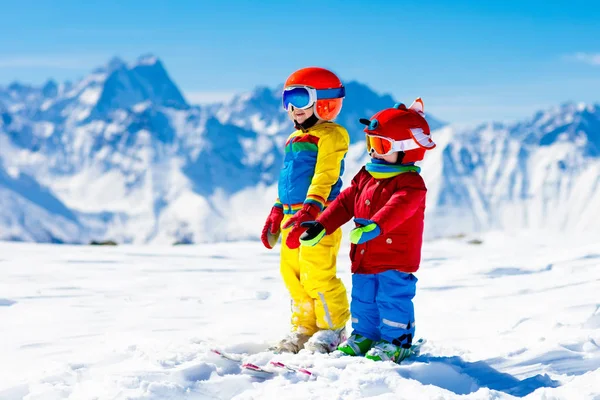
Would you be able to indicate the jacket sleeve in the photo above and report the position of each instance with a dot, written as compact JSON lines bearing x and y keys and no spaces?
{"x":341,"y":210}
{"x":332,"y":148}
{"x":402,"y":205}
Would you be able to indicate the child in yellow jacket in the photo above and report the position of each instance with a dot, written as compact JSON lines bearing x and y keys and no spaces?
{"x":309,"y":180}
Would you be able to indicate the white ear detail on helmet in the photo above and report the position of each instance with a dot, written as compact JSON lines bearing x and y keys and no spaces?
{"x":422,"y":139}
{"x":418,"y":106}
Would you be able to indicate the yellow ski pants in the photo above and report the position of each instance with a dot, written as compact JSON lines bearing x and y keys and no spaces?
{"x":319,"y":299}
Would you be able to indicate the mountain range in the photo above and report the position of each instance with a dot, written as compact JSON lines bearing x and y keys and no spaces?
{"x":121,"y":155}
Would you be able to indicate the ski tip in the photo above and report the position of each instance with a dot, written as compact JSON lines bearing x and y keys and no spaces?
{"x":300,"y":370}
{"x":256,"y":371}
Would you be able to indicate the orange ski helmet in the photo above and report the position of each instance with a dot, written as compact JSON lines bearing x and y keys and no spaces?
{"x":323,"y":87}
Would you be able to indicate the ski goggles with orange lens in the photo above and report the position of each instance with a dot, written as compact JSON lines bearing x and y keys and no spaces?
{"x":384,"y":146}
{"x":380,"y":145}
{"x":304,"y":97}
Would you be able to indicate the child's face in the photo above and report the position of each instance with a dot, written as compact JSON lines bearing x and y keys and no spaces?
{"x":300,"y":115}
{"x":390,"y":158}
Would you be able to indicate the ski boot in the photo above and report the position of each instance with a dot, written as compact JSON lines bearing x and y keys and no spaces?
{"x":292,"y":343}
{"x":356,"y":345}
{"x":326,"y":341}
{"x":384,"y":351}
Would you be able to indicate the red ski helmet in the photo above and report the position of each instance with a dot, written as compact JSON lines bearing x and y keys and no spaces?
{"x":406,"y":127}
{"x":327,"y":91}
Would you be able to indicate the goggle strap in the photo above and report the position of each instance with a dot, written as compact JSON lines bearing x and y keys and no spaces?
{"x":335,"y":93}
{"x":405,"y":145}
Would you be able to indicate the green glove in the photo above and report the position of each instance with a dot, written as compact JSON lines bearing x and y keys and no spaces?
{"x":366,"y":231}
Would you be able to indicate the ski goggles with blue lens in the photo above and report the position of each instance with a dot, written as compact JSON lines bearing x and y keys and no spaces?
{"x":304,"y":97}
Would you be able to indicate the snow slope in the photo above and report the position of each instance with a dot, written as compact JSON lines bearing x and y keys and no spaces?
{"x":32,"y":213}
{"x":514,"y":317}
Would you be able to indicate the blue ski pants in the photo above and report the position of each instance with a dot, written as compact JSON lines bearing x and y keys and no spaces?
{"x":382,"y":307}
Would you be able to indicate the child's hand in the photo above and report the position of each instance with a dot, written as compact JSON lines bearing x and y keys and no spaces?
{"x":313,"y":234}
{"x":270,"y":232}
{"x":309,"y":212}
{"x":369,"y":230}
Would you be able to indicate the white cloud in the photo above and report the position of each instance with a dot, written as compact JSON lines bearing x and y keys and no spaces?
{"x":587,"y":58}
{"x":208,"y":97}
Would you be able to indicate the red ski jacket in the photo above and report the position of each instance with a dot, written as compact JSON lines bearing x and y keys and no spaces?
{"x":397,"y":206}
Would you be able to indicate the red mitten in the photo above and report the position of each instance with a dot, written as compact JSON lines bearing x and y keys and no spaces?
{"x":309,"y":212}
{"x":270,"y":232}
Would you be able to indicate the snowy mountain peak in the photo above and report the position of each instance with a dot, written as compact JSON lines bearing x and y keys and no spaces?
{"x":50,"y":89}
{"x":356,"y":91}
{"x":261,"y":99}
{"x":576,"y":123}
{"x":147,"y":59}
{"x":112,"y":64}
{"x":263,"y":93}
{"x":18,"y":92}
{"x":19,"y":87}
{"x":146,"y":80}
{"x":115,"y":63}
{"x":563,"y":113}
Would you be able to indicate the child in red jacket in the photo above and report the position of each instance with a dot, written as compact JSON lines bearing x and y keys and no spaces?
{"x":387,"y":200}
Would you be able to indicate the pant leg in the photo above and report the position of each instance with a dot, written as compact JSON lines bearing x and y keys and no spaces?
{"x":365,"y":314}
{"x":318,"y":277}
{"x":396,"y":310}
{"x":303,"y":317}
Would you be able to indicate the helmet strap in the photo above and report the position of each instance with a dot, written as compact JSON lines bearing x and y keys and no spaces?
{"x":401,"y":155}
{"x":309,"y":123}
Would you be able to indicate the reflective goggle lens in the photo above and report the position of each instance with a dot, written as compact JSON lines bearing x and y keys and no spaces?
{"x":298,"y":97}
{"x":379,"y":145}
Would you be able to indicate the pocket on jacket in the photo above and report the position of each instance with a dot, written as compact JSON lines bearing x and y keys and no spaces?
{"x":397,"y":242}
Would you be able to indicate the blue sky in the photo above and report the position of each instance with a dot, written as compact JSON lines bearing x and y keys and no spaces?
{"x":470,"y":60}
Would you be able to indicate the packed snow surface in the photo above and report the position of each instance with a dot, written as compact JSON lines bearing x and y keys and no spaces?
{"x":513,"y":317}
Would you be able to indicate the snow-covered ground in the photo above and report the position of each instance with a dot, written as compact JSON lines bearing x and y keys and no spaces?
{"x":512,"y":317}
